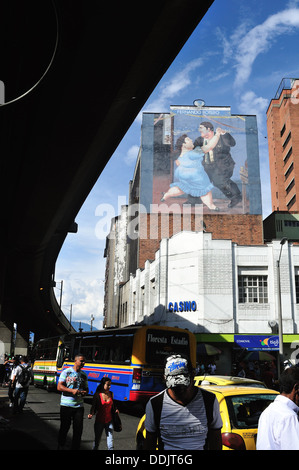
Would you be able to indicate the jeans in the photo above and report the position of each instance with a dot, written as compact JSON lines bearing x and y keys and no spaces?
{"x":67,"y":415}
{"x":98,"y":430}
{"x":20,"y":394}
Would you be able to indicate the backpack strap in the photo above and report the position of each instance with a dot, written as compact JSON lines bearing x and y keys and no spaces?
{"x":208,"y":399}
{"x":157,"y":403}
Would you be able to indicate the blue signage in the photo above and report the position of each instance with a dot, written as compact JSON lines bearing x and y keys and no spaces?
{"x":187,"y":306}
{"x":258,"y":342}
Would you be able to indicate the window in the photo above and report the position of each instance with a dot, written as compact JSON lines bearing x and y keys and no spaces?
{"x":282,"y":130}
{"x":245,"y":410}
{"x":291,"y":223}
{"x":291,"y":202}
{"x":278,"y":225}
{"x":287,"y":157}
{"x":253,"y":289}
{"x":290,"y":186}
{"x":107,"y":348}
{"x":287,"y":140}
{"x":289,"y":171}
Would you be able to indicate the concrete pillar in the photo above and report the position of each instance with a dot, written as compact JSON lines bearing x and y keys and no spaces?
{"x":6,"y":334}
{"x":22,"y":341}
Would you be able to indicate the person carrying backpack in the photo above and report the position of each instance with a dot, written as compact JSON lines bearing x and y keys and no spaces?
{"x":21,"y":380}
{"x":182,"y":417}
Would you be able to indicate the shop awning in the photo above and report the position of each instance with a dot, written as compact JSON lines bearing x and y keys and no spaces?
{"x":204,"y":349}
{"x":259,"y":356}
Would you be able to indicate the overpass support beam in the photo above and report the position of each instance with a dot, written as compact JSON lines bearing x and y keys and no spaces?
{"x":22,"y":340}
{"x":6,"y":337}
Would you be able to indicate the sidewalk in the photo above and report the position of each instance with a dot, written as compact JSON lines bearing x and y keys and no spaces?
{"x":24,"y":431}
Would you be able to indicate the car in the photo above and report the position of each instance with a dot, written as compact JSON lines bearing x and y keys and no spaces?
{"x":227,"y":380}
{"x":240,"y":408}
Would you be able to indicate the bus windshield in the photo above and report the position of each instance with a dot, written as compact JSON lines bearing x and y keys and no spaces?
{"x":46,"y":349}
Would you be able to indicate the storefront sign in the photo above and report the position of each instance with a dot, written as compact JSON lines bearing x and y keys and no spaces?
{"x":257,"y":342}
{"x":187,"y":306}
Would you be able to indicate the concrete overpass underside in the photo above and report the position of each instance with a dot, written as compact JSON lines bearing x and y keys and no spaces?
{"x":90,"y":66}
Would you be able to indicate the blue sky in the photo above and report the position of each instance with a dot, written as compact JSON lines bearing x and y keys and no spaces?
{"x":237,"y":57}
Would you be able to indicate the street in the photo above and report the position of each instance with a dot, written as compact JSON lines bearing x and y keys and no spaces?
{"x":41,"y":419}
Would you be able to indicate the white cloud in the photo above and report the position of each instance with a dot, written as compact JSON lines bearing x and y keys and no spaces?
{"x":259,"y":39}
{"x":86,"y":297}
{"x":172,"y":88}
{"x":250,"y":103}
{"x":292,"y":4}
{"x":132,"y":154}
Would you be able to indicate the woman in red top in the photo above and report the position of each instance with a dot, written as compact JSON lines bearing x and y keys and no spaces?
{"x":102,"y":406}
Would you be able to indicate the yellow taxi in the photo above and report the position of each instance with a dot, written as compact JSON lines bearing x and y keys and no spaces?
{"x":240,"y":408}
{"x":226,"y":380}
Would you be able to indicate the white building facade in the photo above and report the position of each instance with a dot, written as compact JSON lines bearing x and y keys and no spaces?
{"x":218,"y":290}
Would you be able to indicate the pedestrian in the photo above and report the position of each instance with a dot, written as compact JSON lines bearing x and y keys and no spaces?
{"x":20,"y":381}
{"x":278,"y":426}
{"x":8,"y":368}
{"x":73,"y":384}
{"x":242,"y":371}
{"x":102,"y":407}
{"x":257,"y":371}
{"x":268,"y":377}
{"x":11,"y":385}
{"x":2,"y":369}
{"x":183,"y":416}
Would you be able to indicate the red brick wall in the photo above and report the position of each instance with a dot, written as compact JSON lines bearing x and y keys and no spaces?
{"x":283,"y":112}
{"x":243,"y":229}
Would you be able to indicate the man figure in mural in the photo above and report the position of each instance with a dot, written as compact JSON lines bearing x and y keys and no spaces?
{"x":218,"y":162}
{"x":190,"y":177}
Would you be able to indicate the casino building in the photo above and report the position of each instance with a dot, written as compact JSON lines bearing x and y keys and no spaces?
{"x":189,"y":251}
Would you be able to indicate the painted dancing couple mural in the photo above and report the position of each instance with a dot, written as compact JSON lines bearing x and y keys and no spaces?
{"x":203,"y":164}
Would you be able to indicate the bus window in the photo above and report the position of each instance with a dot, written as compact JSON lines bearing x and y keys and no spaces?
{"x":121,"y":350}
{"x":103,"y":348}
{"x":76,"y":347}
{"x":87,"y":347}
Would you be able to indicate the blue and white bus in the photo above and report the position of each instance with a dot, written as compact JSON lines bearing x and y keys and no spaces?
{"x":131,"y":357}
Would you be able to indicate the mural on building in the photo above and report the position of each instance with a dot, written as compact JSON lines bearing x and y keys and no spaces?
{"x":200,"y":156}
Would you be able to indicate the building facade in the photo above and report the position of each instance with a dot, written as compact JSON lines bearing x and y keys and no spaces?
{"x":283,"y":143}
{"x":218,"y":290}
{"x":280,"y":224}
{"x":198,"y":167}
{"x":175,"y":260}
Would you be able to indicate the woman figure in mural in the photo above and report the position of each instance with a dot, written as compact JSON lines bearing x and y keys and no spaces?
{"x":189,"y":176}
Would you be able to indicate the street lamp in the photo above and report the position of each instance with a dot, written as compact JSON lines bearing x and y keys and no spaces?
{"x":91,"y":321}
{"x":280,"y":332}
{"x":60,"y":288}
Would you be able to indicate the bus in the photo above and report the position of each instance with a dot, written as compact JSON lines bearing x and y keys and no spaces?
{"x":47,"y":357}
{"x":132,"y":357}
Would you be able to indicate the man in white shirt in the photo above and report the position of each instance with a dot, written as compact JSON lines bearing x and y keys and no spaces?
{"x":182,"y":417}
{"x":278,"y":427}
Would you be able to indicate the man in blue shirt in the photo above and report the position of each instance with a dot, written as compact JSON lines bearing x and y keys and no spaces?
{"x":74,"y":386}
